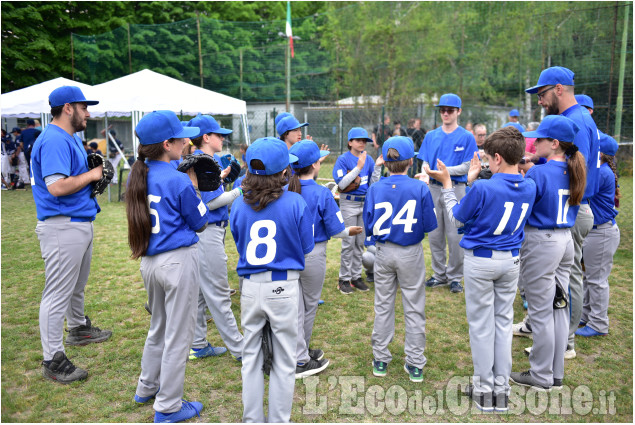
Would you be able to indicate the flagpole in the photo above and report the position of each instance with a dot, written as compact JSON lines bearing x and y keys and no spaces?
{"x":288,"y":63}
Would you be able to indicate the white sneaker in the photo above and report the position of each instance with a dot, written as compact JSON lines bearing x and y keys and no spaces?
{"x":569,"y":354}
{"x":521,"y":329}
{"x":527,"y":351}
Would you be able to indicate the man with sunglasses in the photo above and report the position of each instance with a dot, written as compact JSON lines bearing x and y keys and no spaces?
{"x":556,"y":94}
{"x":455,"y":146}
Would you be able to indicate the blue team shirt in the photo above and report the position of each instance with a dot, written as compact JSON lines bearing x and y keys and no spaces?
{"x":588,"y":142}
{"x":327,"y":217}
{"x":275,"y":238}
{"x":400,"y":210}
{"x":175,"y":210}
{"x":239,"y":182}
{"x":495,"y":212}
{"x":453,"y":149}
{"x":551,"y":208}
{"x":57,"y":152}
{"x":28,"y":136}
{"x":516,"y":125}
{"x":345,"y":163}
{"x":603,"y":203}
{"x":219,"y":214}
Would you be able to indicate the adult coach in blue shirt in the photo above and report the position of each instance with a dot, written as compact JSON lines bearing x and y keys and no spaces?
{"x":455,"y":146}
{"x":555,"y":94}
{"x":61,"y":187}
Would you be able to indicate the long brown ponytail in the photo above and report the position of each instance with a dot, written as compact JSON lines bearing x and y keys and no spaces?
{"x":137,"y":209}
{"x":611,"y":161}
{"x":294,"y":181}
{"x":576,"y":167}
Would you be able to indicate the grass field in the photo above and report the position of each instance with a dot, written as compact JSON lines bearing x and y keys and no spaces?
{"x":598,"y":383}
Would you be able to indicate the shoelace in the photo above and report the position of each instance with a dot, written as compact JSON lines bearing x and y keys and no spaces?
{"x":189,"y":405}
{"x":66,"y":367}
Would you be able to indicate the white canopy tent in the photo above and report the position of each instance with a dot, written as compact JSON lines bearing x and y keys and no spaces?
{"x":32,"y":101}
{"x":147,"y":91}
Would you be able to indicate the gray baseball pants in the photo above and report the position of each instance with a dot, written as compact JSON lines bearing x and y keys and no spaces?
{"x":310,"y":289}
{"x":352,"y":246}
{"x":67,"y":249}
{"x":214,"y":292}
{"x":546,"y":258}
{"x":171,"y":280}
{"x":397,"y":265}
{"x":579,"y":231}
{"x":453,"y":271}
{"x":599,"y":247}
{"x":490,"y":289}
{"x":262,"y":299}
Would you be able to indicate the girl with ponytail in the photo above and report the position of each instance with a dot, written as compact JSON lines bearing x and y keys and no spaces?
{"x":547,"y":252}
{"x":600,"y":245}
{"x":164,"y":213}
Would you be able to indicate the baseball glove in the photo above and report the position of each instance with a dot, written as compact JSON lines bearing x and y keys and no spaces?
{"x":95,"y":160}
{"x":352,"y":186}
{"x":229,"y":160}
{"x":206,"y":169}
{"x":267,"y":349}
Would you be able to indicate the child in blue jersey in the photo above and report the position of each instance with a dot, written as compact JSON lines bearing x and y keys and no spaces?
{"x":164,"y":214}
{"x":493,"y":214}
{"x":327,"y":222}
{"x":272,"y":229}
{"x":600,"y":245}
{"x":354,"y":172}
{"x":547,"y":253}
{"x":214,"y":288}
{"x":398,"y":212}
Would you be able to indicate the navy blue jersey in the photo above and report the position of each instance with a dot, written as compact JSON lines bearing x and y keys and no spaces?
{"x":453,"y":149}
{"x":219,"y":214}
{"x":400,"y":210}
{"x":496,"y":210}
{"x":29,"y":135}
{"x":327,"y":217}
{"x":175,"y":210}
{"x":588,"y":142}
{"x":603,"y":203}
{"x":551,"y":209}
{"x":345,"y":163}
{"x":10,"y":146}
{"x":57,"y":152}
{"x":275,"y":238}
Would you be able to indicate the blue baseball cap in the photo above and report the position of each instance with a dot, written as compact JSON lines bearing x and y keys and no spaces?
{"x":358,"y":133}
{"x":584,"y":100}
{"x":68,"y":94}
{"x":608,"y":145}
{"x":288,"y":123}
{"x":555,"y":127}
{"x":450,"y":99}
{"x":207,"y":124}
{"x":272,"y":152}
{"x":551,"y":77}
{"x":307,"y":152}
{"x":514,"y":113}
{"x":158,"y":126}
{"x":280,"y":116}
{"x":402,"y":144}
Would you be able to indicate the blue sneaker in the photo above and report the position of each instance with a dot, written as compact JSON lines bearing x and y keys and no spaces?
{"x":416,"y":374}
{"x":144,"y":400}
{"x":455,"y":287}
{"x":581,"y":324}
{"x":238,"y":359}
{"x":587,"y":331}
{"x":379,"y":368}
{"x":188,"y":410}
{"x":320,"y":302}
{"x":209,"y":351}
{"x":433,"y":283}
{"x":525,"y":305}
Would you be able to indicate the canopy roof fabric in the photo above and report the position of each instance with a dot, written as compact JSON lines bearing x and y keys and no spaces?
{"x":34,"y":100}
{"x":148,"y":91}
{"x":143,"y":91}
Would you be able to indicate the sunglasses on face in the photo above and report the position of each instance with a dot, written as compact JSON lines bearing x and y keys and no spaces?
{"x":447,"y":110}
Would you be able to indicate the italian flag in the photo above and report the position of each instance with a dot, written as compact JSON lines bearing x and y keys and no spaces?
{"x":289,"y":32}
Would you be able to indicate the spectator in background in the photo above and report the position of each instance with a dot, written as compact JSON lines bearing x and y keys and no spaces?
{"x":469,"y":128}
{"x":94,"y":148}
{"x":381,"y":133}
{"x":480,"y":133}
{"x":513,"y":120}
{"x":398,"y":131}
{"x":29,"y":134}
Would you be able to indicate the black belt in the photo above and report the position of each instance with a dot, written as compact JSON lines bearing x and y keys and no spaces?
{"x":223,"y":223}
